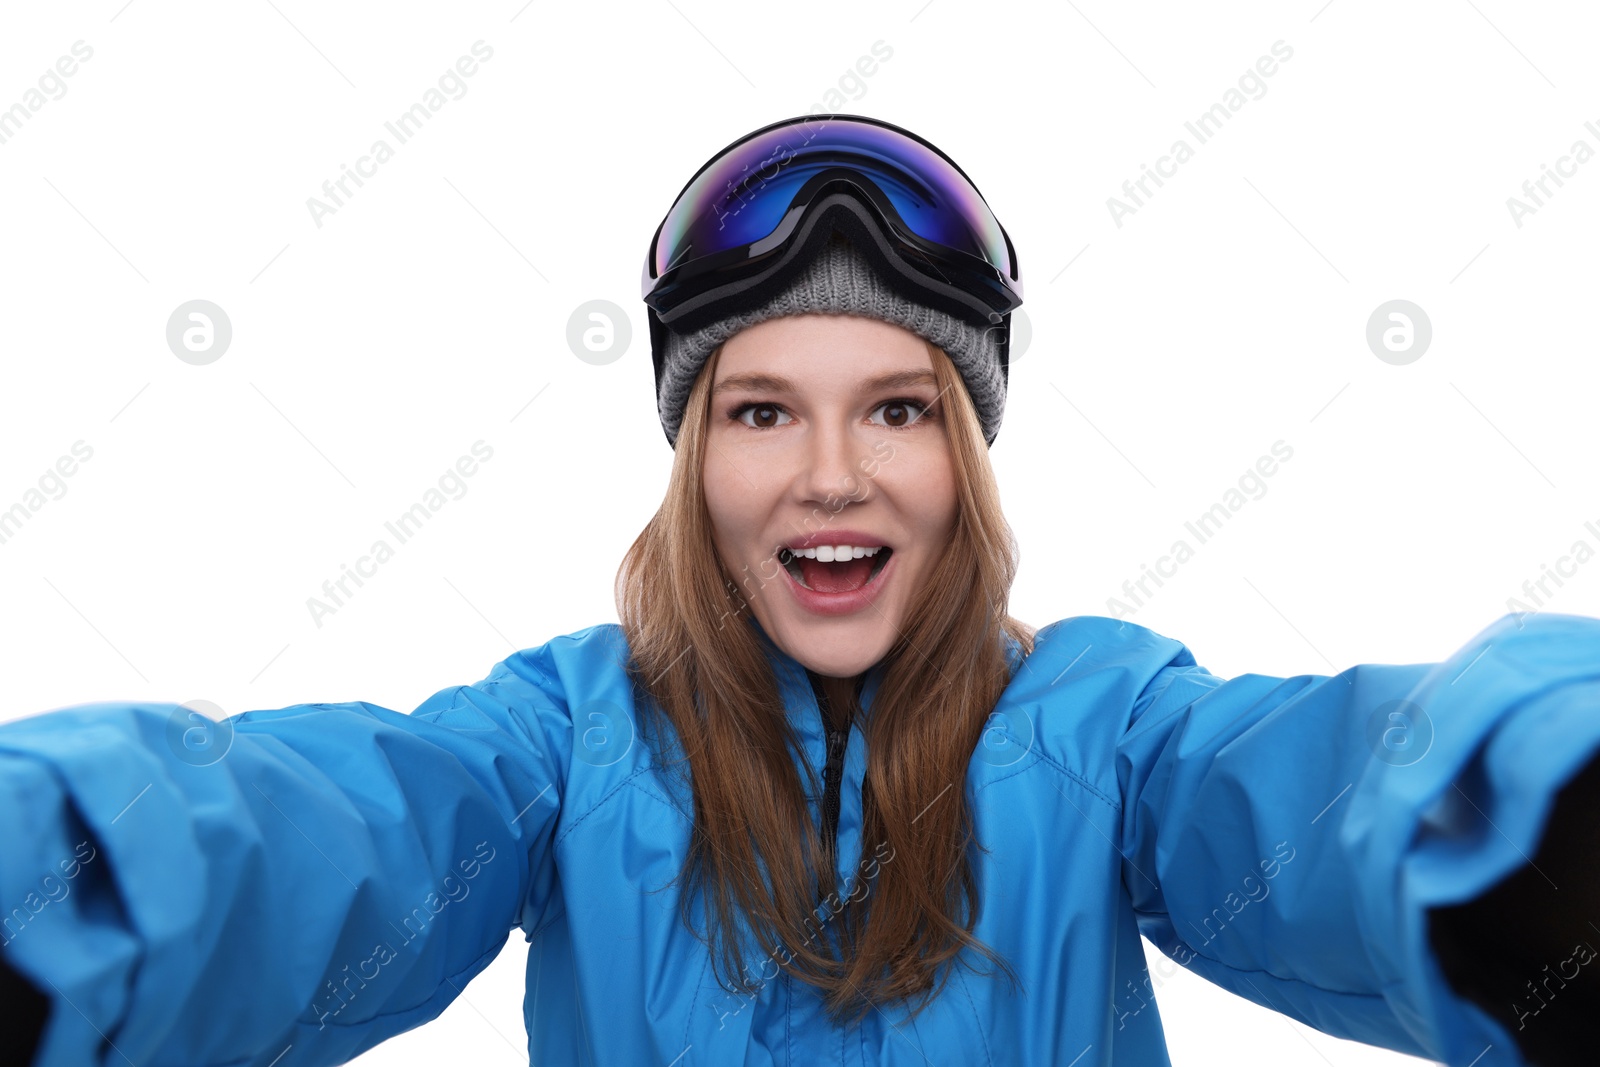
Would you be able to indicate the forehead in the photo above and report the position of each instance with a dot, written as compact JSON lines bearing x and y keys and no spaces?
{"x":816,"y":350}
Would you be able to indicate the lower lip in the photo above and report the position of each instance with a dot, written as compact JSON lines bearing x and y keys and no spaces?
{"x":840,"y":603}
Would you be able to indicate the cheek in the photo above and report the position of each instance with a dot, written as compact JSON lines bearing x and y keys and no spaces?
{"x":719,"y":499}
{"x":722,"y":501}
{"x":739,"y":511}
{"x":925,"y":485}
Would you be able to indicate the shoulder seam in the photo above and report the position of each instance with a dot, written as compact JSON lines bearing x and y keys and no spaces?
{"x":1071,"y":776}
{"x":656,"y":796}
{"x":538,"y":669}
{"x":598,"y":804}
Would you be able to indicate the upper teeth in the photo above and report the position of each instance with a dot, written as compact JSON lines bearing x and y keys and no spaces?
{"x":829,"y":553}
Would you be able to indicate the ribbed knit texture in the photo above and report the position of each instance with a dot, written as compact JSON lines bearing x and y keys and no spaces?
{"x":841,"y":281}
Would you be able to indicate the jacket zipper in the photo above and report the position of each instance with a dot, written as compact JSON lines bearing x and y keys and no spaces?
{"x":832,"y":769}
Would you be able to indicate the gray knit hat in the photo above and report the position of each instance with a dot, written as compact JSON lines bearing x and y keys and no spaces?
{"x":841,"y":281}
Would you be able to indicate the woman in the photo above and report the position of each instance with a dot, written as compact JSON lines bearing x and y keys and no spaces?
{"x":819,"y":798}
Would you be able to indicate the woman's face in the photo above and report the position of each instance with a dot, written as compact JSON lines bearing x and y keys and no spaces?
{"x":828,"y":431}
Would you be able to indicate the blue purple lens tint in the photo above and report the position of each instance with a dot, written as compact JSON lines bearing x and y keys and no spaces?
{"x":741,"y":197}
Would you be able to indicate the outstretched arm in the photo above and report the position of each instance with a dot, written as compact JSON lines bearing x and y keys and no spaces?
{"x":326,"y":877}
{"x":1522,"y":951}
{"x":1289,"y":838}
{"x":28,"y":1011}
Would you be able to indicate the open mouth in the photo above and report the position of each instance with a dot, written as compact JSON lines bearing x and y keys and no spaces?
{"x":823,"y":570}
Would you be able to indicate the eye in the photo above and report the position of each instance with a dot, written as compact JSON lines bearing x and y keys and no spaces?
{"x":901,"y":414}
{"x":765,"y":416}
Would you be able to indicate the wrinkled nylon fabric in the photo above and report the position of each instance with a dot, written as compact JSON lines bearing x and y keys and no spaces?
{"x":342,"y":873}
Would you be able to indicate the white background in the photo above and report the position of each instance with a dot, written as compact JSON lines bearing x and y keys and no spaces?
{"x":430,"y":311}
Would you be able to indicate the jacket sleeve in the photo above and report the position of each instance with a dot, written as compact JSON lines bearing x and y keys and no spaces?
{"x":1285,"y":838}
{"x":285,"y":887}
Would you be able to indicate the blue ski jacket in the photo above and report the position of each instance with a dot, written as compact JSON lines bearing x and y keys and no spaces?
{"x":293,"y":886}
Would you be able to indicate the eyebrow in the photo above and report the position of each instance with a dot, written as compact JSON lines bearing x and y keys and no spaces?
{"x":774,"y":383}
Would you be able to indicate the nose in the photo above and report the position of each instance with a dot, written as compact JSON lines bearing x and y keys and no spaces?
{"x":833,"y":472}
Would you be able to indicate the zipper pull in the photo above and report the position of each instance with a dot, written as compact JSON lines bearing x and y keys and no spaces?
{"x":835,"y":749}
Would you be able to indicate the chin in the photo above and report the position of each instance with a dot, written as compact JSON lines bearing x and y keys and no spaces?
{"x":838,"y":651}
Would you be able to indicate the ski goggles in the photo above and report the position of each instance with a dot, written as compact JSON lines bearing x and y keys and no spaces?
{"x":746,"y":213}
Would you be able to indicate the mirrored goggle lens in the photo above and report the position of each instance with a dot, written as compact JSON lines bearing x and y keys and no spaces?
{"x":742,"y":196}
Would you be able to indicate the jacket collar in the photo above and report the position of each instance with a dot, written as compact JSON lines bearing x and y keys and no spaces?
{"x":794,"y":685}
{"x":800,"y":699}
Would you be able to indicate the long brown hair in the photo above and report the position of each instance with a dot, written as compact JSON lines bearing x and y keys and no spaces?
{"x":754,"y":849}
